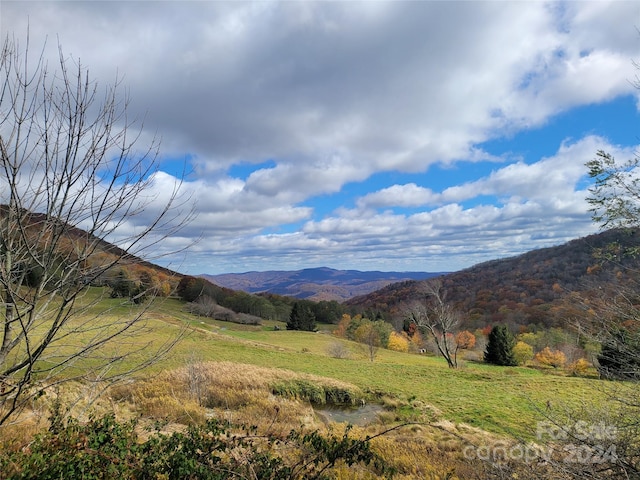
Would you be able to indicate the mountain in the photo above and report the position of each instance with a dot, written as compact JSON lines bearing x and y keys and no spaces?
{"x":94,"y":248}
{"x":533,"y":290}
{"x":314,"y":283}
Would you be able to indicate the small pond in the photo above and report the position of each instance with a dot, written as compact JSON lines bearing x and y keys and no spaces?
{"x":354,"y":415}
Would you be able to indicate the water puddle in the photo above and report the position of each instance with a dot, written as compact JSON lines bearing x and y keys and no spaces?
{"x":354,"y":415}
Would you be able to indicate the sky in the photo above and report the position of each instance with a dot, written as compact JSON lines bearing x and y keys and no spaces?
{"x":367,"y":135}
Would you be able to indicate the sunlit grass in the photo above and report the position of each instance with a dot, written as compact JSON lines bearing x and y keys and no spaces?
{"x":503,"y":400}
{"x":506,"y":400}
{"x":266,"y":377}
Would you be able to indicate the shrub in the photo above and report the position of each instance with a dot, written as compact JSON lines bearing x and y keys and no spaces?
{"x":105,"y":448}
{"x":398,"y":342}
{"x":339,"y":396}
{"x":338,"y":350}
{"x":579,"y":368}
{"x":522,"y":352}
{"x":307,"y":390}
{"x":551,"y":358}
{"x":300,"y":389}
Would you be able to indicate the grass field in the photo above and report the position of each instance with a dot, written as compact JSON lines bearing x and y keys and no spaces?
{"x":502,"y":400}
{"x":263,"y":376}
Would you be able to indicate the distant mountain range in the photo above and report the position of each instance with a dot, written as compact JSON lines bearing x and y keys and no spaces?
{"x":315,"y":283}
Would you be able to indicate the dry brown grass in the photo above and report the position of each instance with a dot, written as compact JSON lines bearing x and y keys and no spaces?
{"x":243,"y":395}
{"x":233,"y":392}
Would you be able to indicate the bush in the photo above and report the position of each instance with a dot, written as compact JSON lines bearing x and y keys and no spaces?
{"x":398,"y":342}
{"x":522,"y":352}
{"x":317,"y":394}
{"x":551,"y":358}
{"x":107,"y":449}
{"x":338,"y":350}
{"x":579,"y":368}
{"x":301,"y":390}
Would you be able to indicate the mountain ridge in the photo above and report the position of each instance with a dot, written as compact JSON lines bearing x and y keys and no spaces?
{"x":320,"y":283}
{"x":531,"y":290}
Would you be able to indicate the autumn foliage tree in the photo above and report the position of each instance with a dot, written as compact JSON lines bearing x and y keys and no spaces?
{"x":398,"y":342}
{"x":522,"y":352}
{"x":551,"y":358}
{"x":465,"y":340}
{"x":368,"y":335}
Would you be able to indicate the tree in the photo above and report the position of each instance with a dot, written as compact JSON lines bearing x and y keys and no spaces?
{"x":500,"y":347}
{"x":71,"y":177}
{"x":615,"y":203}
{"x":434,"y":314}
{"x":615,"y":195}
{"x":368,"y":335}
{"x":327,"y":311}
{"x":465,"y":340}
{"x":301,"y":318}
{"x":190,"y":288}
{"x":123,"y":286}
{"x":610,"y":318}
{"x":398,"y":342}
{"x":341,"y":329}
{"x":620,"y":355}
{"x":522,"y":352}
{"x":551,"y":358}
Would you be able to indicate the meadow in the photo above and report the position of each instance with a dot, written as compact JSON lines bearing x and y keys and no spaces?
{"x":502,"y":400}
{"x":267,"y":376}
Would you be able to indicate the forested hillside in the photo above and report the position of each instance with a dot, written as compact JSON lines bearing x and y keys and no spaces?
{"x":532,"y":289}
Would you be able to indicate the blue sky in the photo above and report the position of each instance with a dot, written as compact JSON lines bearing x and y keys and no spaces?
{"x":422,"y":136}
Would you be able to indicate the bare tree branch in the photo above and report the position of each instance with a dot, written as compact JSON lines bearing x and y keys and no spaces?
{"x":71,"y":179}
{"x":438,"y":317}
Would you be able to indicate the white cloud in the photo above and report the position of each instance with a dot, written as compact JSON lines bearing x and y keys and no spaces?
{"x":409,"y":195}
{"x":333,"y":93}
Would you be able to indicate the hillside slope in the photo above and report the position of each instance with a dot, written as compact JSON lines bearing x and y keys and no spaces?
{"x":531,"y":289}
{"x":314,"y":283}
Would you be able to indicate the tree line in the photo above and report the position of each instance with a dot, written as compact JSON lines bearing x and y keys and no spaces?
{"x":199,"y":291}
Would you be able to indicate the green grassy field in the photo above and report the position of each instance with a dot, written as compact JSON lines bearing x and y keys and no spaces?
{"x":502,"y":400}
{"x":264,"y":377}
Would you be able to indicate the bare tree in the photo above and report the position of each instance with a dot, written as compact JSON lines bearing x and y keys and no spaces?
{"x":438,"y":317}
{"x":70,"y":178}
{"x":368,"y":335}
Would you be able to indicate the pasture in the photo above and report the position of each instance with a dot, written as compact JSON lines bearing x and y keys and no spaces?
{"x":501,"y":400}
{"x":265,"y":376}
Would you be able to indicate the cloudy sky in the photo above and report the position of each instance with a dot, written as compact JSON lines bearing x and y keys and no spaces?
{"x":422,"y":136}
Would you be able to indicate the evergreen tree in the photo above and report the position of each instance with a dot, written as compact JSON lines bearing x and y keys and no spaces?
{"x":500,"y":347}
{"x":620,"y":356}
{"x":123,"y":286}
{"x":301,"y":318}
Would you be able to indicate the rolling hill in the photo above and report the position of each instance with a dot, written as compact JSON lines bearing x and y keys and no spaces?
{"x":533,"y":289}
